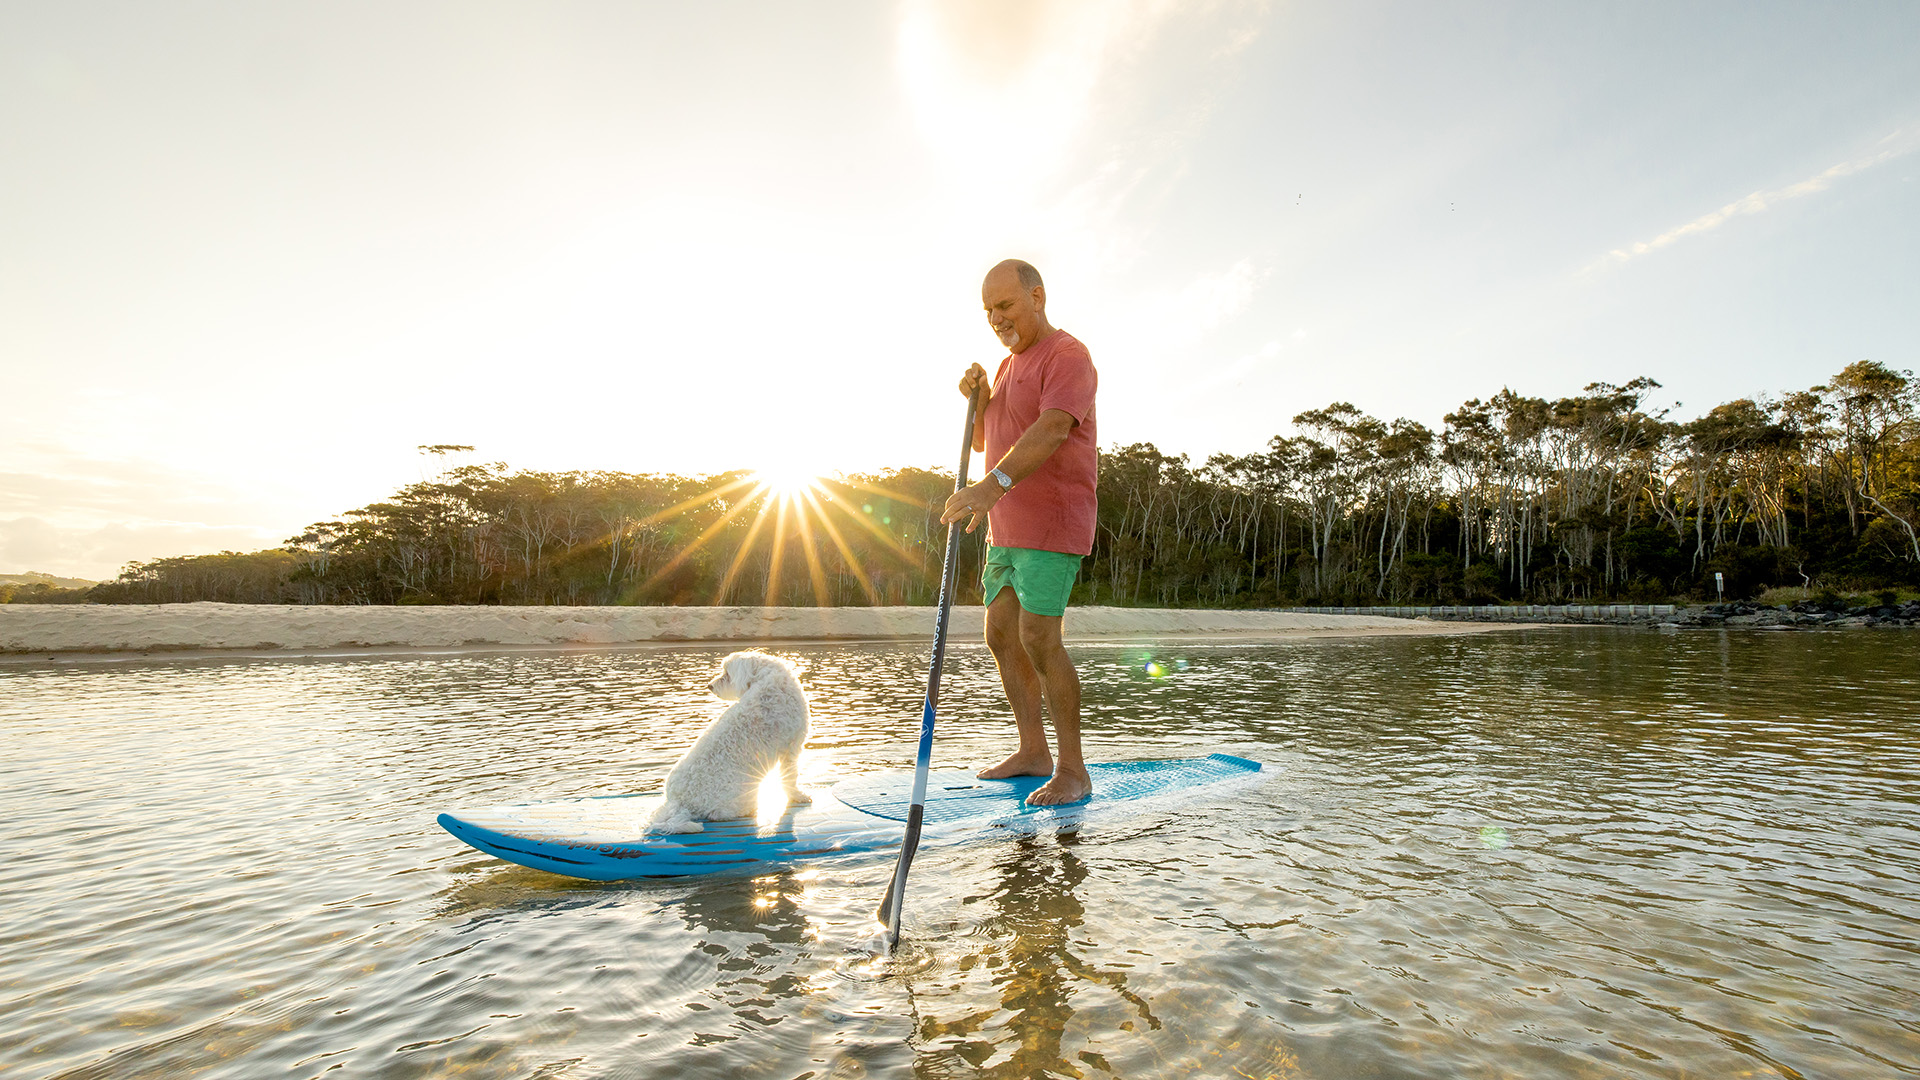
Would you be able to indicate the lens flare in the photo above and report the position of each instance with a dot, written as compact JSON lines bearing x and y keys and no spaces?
{"x":1159,"y":669}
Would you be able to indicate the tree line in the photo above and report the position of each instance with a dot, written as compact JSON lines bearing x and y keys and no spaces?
{"x":487,"y":534}
{"x":1592,"y":498}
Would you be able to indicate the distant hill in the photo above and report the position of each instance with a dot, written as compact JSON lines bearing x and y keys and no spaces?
{"x":34,"y":577}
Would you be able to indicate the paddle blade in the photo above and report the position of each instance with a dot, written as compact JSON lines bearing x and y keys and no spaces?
{"x":892,"y":903}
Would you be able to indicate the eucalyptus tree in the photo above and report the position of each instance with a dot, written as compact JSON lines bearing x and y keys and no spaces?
{"x":1471,"y":449}
{"x":1599,"y":446}
{"x":1403,"y":460}
{"x":1876,"y":409}
{"x":1131,"y":496}
{"x":1338,"y":444}
{"x":1277,"y":477}
{"x":1522,"y":475}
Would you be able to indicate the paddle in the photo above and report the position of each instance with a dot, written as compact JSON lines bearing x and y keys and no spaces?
{"x":895,"y":898}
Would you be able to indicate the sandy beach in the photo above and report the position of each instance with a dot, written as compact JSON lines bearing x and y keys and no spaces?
{"x":28,"y":630}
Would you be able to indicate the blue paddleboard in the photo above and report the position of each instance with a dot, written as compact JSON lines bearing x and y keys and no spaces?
{"x":604,"y":838}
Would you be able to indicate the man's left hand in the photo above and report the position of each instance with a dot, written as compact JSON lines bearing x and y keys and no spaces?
{"x":972,"y":501}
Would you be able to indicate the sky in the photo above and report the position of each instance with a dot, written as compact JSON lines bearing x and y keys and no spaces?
{"x":253,"y":255}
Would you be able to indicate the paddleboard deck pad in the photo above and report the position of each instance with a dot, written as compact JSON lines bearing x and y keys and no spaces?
{"x":604,"y":838}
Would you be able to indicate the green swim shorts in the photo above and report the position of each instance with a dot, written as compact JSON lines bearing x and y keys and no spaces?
{"x":1041,"y":580}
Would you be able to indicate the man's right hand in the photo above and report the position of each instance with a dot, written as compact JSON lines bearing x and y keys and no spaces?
{"x":972,"y":382}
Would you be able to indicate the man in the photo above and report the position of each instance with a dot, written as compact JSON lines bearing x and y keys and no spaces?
{"x":1037,"y":430}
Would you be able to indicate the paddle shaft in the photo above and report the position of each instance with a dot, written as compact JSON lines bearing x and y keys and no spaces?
{"x":895,"y":898}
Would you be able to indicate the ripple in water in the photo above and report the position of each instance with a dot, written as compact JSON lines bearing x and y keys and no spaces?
{"x":1584,"y":853}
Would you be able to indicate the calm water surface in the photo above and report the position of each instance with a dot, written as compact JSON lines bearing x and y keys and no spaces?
{"x":1592,"y":852}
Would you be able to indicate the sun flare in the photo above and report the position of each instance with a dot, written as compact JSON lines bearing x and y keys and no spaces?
{"x":787,"y":481}
{"x":776,"y":522}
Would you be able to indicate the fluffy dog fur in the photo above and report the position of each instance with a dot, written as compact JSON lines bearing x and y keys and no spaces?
{"x":719,"y":776}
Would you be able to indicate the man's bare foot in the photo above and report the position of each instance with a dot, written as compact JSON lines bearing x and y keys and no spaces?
{"x":1069,"y":785}
{"x":1020,"y":763}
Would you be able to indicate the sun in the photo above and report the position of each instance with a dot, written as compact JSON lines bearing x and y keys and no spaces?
{"x":792,"y":505}
{"x":787,"y":482}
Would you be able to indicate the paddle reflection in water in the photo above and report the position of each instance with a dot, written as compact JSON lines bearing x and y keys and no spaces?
{"x":1589,"y":853}
{"x":1026,"y":987}
{"x":1028,"y":951}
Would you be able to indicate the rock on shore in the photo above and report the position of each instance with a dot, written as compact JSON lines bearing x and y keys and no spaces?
{"x":1807,"y":614}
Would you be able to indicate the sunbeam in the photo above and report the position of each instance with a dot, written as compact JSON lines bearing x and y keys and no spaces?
{"x":795,"y":501}
{"x":706,"y":534}
{"x":740,"y":557}
{"x":705,"y":496}
{"x":805,"y":507}
{"x":853,"y":564}
{"x":889,"y":541}
{"x":776,"y":560}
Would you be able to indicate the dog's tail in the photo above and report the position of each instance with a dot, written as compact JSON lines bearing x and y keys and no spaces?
{"x":673,"y":818}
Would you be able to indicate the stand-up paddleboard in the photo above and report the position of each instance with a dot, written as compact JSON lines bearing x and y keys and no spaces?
{"x":605,"y":838}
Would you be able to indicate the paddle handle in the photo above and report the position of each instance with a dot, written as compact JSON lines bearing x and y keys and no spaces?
{"x":895,"y":898}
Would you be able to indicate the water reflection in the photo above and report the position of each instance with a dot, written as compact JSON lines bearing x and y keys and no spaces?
{"x":1029,"y":951}
{"x":1590,"y":853}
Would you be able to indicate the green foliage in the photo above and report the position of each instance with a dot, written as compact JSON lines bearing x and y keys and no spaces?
{"x":259,"y":577}
{"x":39,"y":592}
{"x":487,"y":535}
{"x":1590,"y":498}
{"x":1584,"y":499}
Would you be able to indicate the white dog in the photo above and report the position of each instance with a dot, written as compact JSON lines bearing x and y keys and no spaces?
{"x":719,"y":776}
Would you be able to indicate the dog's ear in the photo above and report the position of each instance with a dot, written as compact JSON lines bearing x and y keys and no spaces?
{"x":740,"y":669}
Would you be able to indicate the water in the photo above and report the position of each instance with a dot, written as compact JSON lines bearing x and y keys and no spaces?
{"x":1586,"y":852}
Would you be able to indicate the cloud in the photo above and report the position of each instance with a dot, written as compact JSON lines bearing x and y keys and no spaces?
{"x":72,"y":514}
{"x":1214,"y":298}
{"x":74,"y":487}
{"x":35,"y":544}
{"x":1238,"y":41}
{"x":1895,"y":145}
{"x":1235,"y":373}
{"x":1182,"y":315}
{"x":997,"y":85}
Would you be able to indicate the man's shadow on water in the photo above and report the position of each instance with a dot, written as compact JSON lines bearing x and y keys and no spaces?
{"x":1035,"y":909}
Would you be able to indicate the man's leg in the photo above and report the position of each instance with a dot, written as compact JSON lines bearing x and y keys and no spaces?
{"x":1024,"y":690}
{"x":1060,"y":684}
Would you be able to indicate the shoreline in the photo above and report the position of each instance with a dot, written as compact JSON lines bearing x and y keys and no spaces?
{"x":35,"y":632}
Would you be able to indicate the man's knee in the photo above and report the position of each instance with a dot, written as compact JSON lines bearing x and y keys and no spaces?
{"x":1040,"y":638}
{"x":1003,"y":625}
{"x":1004,"y":644}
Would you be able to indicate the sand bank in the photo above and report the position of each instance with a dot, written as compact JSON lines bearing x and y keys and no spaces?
{"x":27,"y":629}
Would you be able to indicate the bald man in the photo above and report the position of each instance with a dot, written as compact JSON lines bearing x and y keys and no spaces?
{"x":1037,"y":429}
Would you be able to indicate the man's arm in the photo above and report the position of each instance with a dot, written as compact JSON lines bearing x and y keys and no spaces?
{"x":1034,"y":447}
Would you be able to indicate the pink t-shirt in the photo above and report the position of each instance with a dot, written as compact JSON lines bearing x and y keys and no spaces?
{"x":1053,"y":508}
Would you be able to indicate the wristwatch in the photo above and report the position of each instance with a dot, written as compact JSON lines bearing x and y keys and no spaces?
{"x":1006,"y":482}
